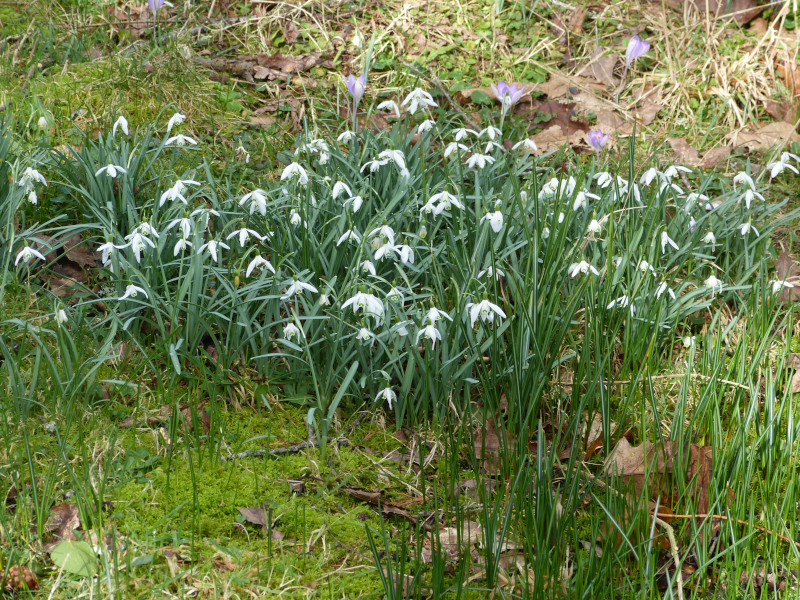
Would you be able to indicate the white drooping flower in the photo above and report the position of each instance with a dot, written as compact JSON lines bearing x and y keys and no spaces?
{"x":174,"y":120}
{"x":665,"y":241}
{"x":132,"y":291}
{"x":368,"y":267}
{"x":291,"y":331}
{"x":479,"y":161}
{"x":295,"y":171}
{"x":258,"y":201}
{"x":181,"y":245}
{"x":370,"y":305}
{"x":743,"y":177}
{"x":426,"y":125}
{"x":388,"y":395}
{"x":244,"y":234}
{"x":713,"y":283}
{"x":581,"y":268}
{"x":345,"y":137}
{"x":746,"y":228}
{"x":528,"y":144}
{"x":709,"y":238}
{"x":495,"y":220}
{"x":485,"y":311}
{"x":389,"y":105}
{"x":26,"y":254}
{"x":296,"y":287}
{"x":365,"y":335}
{"x":138,"y":242}
{"x":181,"y":140}
{"x":61,"y":316}
{"x":454,"y":147}
{"x":212,"y":246}
{"x":434,"y":314}
{"x":778,"y":286}
{"x":460,"y":133}
{"x":340,"y":187}
{"x":120,"y":123}
{"x":594,"y":227}
{"x":110,"y":170}
{"x":350,"y":235}
{"x":429,"y":332}
{"x":417,"y":99}
{"x":259,"y":262}
{"x":663,"y":287}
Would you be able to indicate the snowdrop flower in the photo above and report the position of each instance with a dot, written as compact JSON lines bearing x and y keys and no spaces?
{"x":645,"y":266}
{"x":294,"y":218}
{"x":429,"y":207}
{"x":145,"y":229}
{"x":745,"y":228}
{"x":356,"y":86}
{"x":365,"y":335}
{"x":388,"y":395}
{"x":709,"y":238}
{"x":426,"y":125}
{"x":175,"y":120}
{"x":777,"y":286}
{"x":406,"y":254}
{"x":176,"y":191}
{"x":259,"y":263}
{"x":622,"y":302}
{"x":743,"y":177}
{"x":692,"y":224}
{"x":580,"y":200}
{"x":495,"y":220}
{"x":244,"y":234}
{"x":339,"y":188}
{"x":673,"y":170}
{"x":258,"y":201}
{"x":429,"y":332}
{"x":395,"y":294}
{"x":603,"y":178}
{"x":121,"y":123}
{"x":777,"y":168}
{"x":291,"y":331}
{"x":181,"y":245}
{"x":368,"y":267}
{"x":348,"y":236}
{"x":713,"y":283}
{"x":132,"y":291}
{"x":460,"y":133}
{"x":453,"y":147}
{"x":491,"y":132}
{"x":648,"y":176}
{"x":374,"y":165}
{"x":445,"y":201}
{"x":61,"y":316}
{"x":528,"y":144}
{"x":688,"y":341}
{"x":434,"y":314}
{"x":663,"y":287}
{"x":395,"y":156}
{"x":110,"y":170}
{"x":479,"y":160}
{"x":369,"y":304}
{"x":749,"y":196}
{"x":42,"y":123}
{"x":594,"y":227}
{"x":491,"y":271}
{"x":355,"y":203}
{"x":485,"y":311}
{"x":384,"y":251}
{"x":296,"y":287}
{"x":107,"y":249}
{"x":138,"y":242}
{"x":597,"y":139}
{"x":184,"y":224}
{"x":389,"y":105}
{"x":545,"y":232}
{"x":636,"y":47}
{"x":240,"y":151}
{"x":489,"y":145}
{"x":694,"y":197}
{"x":31,"y":176}
{"x":26,"y":254}
{"x":294,"y":170}
{"x":665,"y":241}
{"x":417,"y":99}
{"x":384,"y":233}
{"x":212,"y":246}
{"x":206,"y":213}
{"x":581,"y":268}
{"x":345,"y":137}
{"x":181,"y":140}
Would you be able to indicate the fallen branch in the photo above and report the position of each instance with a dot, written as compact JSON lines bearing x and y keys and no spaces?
{"x":673,"y":544}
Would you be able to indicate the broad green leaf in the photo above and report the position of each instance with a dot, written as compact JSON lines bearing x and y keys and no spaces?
{"x":77,"y":558}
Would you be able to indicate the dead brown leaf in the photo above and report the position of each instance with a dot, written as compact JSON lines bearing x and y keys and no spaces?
{"x":262,"y":120}
{"x":577,"y":19}
{"x":647,"y":111}
{"x":257,"y":515}
{"x":290,"y":32}
{"x":711,"y":158}
{"x":452,"y":541}
{"x":554,"y":138}
{"x":684,"y":152}
{"x":768,"y":579}
{"x":63,"y":520}
{"x":787,"y":269}
{"x":781,"y":111}
{"x":601,"y":67}
{"x":765,"y":137}
{"x":134,"y":19}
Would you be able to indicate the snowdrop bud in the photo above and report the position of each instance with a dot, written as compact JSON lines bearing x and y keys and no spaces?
{"x":61,"y":316}
{"x":42,"y":123}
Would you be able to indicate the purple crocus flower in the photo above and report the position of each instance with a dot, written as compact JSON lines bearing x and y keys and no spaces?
{"x":356,"y":86}
{"x":155,"y":5}
{"x":636,"y":47}
{"x":597,"y":138}
{"x":509,"y":95}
